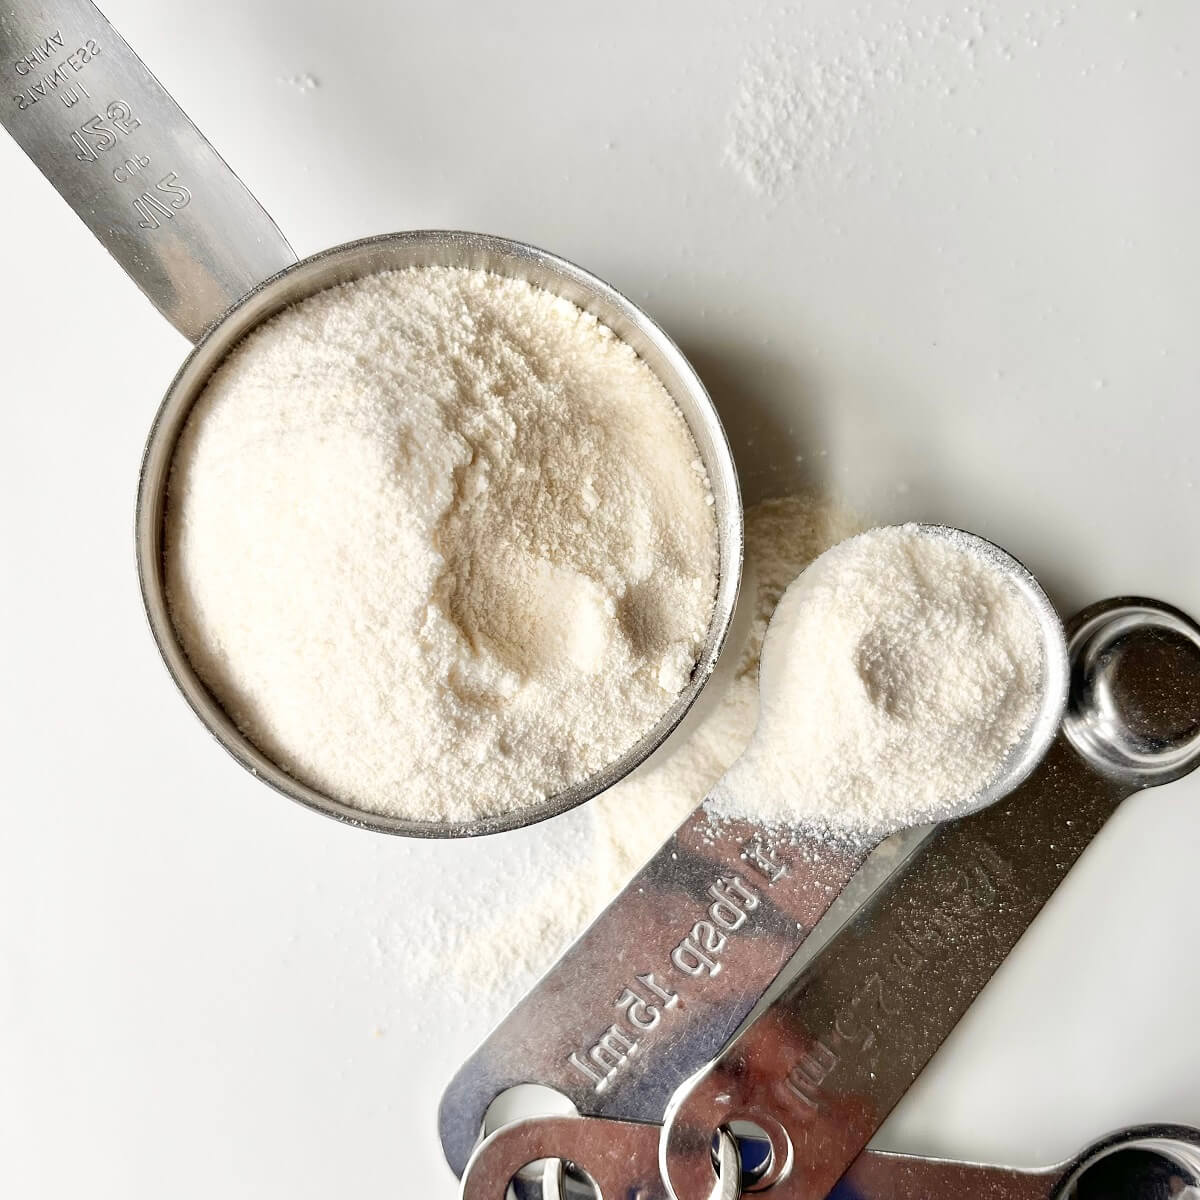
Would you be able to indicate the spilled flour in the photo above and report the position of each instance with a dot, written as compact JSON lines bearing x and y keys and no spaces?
{"x":818,"y":104}
{"x":494,"y":950}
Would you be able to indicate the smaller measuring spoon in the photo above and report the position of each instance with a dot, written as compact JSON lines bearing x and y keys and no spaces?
{"x":1147,"y":1162}
{"x":1140,"y":1163}
{"x":662,"y":979}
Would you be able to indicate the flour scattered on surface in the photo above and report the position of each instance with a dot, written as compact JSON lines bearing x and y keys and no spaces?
{"x":898,"y":672}
{"x":496,"y":947}
{"x":806,"y":104}
{"x":436,"y":542}
{"x":793,"y":112}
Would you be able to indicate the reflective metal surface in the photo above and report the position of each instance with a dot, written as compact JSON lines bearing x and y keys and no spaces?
{"x":620,"y":1156}
{"x":126,"y":158}
{"x":661,"y":980}
{"x":821,"y":1067}
{"x":1148,"y":1162}
{"x":880,"y":1176}
{"x":140,"y":175}
{"x":1132,"y":711}
{"x":829,"y":1059}
{"x":658,"y":983}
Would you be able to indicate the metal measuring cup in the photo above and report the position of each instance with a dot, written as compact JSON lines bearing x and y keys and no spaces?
{"x":126,"y":158}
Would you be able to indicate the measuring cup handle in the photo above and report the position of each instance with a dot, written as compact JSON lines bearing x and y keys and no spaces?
{"x":126,"y":158}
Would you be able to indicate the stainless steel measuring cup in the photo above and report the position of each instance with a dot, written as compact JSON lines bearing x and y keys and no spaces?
{"x":126,"y":158}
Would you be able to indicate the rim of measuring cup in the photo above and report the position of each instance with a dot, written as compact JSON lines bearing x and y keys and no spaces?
{"x":396,"y":251}
{"x":1025,"y":755}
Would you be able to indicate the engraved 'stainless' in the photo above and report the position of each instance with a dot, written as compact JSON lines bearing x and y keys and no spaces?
{"x":129,"y":162}
{"x":660,"y":981}
{"x":820,"y":1068}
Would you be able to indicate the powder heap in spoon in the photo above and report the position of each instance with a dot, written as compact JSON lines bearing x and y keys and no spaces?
{"x":439,"y":543}
{"x":898,"y":673}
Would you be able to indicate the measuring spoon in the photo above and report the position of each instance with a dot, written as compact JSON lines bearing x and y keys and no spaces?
{"x":126,"y":158}
{"x":662,"y":979}
{"x":1140,"y":1163}
{"x":820,"y":1070}
{"x":1147,"y":1162}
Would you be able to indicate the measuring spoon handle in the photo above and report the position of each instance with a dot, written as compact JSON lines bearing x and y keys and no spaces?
{"x":126,"y":158}
{"x":621,"y":1158}
{"x":828,"y":1061}
{"x":876,"y":1175}
{"x":1144,"y":1161}
{"x":660,"y":981}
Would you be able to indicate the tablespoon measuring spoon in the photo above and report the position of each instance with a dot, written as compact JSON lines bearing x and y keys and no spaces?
{"x":823,"y":1066}
{"x":126,"y":158}
{"x":660,"y":981}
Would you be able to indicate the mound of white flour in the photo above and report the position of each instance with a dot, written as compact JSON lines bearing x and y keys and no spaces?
{"x":440,"y":543}
{"x":898,"y":672}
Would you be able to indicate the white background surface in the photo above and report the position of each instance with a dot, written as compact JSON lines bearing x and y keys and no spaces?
{"x":974,"y":301}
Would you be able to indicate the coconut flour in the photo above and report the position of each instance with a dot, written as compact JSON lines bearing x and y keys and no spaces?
{"x":440,"y":543}
{"x":899,"y":670}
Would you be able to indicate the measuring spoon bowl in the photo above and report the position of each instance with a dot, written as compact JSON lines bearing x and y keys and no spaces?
{"x":1135,"y":673}
{"x":757,"y":773}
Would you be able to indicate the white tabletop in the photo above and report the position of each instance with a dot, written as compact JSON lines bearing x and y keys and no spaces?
{"x":972,"y":297}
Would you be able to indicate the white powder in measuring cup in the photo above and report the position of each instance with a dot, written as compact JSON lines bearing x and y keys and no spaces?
{"x":440,"y":543}
{"x":898,"y":672}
